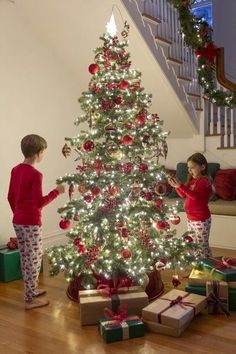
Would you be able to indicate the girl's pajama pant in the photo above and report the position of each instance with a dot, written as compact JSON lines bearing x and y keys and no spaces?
{"x":29,"y":239}
{"x":201,"y":230}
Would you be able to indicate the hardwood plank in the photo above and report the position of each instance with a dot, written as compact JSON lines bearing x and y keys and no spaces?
{"x":56,"y":328}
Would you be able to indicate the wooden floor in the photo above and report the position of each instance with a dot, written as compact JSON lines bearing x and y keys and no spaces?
{"x":56,"y":328}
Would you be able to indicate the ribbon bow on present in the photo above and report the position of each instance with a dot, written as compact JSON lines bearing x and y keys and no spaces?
{"x":177,"y":301}
{"x":217,"y":303}
{"x":106,"y":290}
{"x":116,"y":318}
{"x":224,"y":263}
{"x":12,"y":244}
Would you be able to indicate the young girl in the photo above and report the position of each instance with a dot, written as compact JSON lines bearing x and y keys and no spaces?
{"x":197,"y":192}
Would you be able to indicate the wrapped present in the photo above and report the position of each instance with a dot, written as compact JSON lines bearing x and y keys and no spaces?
{"x":200,"y":277}
{"x":201,"y":290}
{"x":10,"y":266}
{"x":93,"y":302}
{"x":224,"y":267}
{"x":217,"y":297}
{"x":119,"y":326}
{"x":162,"y":329}
{"x":175,"y":309}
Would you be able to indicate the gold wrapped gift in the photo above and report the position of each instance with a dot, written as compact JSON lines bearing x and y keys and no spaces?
{"x":174,"y":309}
{"x":199,"y":277}
{"x":92,"y":303}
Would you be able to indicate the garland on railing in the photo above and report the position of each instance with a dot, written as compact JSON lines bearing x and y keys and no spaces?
{"x":197,"y":35}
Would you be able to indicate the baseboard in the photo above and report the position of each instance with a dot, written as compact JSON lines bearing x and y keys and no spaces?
{"x":54,"y":239}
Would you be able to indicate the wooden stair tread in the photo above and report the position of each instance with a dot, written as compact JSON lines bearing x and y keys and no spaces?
{"x":164,"y":40}
{"x":184,"y":78}
{"x":177,"y":61}
{"x":193,"y":94}
{"x":151,"y":18}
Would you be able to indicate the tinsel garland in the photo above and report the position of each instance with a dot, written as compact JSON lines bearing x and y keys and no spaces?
{"x":197,"y":35}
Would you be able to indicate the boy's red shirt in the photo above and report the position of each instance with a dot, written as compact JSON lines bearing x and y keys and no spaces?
{"x":25,"y":195}
{"x":197,"y":193}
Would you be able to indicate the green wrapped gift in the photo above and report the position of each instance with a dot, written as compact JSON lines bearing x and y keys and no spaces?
{"x":225,"y":267}
{"x":201,"y":290}
{"x":10,"y":268}
{"x":113,"y":332}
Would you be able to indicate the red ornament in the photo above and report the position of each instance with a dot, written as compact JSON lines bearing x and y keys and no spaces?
{"x":142,"y":234}
{"x":93,"y":68}
{"x":129,"y":126}
{"x":175,"y":281}
{"x":140,"y":120}
{"x":88,"y":198}
{"x":76,"y":242}
{"x":124,"y":232}
{"x":88,"y":145}
{"x":118,"y":100}
{"x":160,"y":188}
{"x":64,"y":224}
{"x":143,"y":167}
{"x":113,"y":190}
{"x":127,"y":140}
{"x":123,"y":85}
{"x":174,"y":219}
{"x":126,"y":253}
{"x":188,"y":238}
{"x":127,"y":167}
{"x":158,"y":204}
{"x":148,"y":196}
{"x":95,"y":191}
{"x":162,"y":225}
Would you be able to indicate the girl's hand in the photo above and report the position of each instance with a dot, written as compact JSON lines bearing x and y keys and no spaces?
{"x":174,"y":182}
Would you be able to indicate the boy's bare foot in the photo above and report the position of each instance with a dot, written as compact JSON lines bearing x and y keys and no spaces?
{"x":39,"y":292}
{"x":35,"y":304}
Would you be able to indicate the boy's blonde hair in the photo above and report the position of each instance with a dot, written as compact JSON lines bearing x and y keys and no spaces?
{"x":32,"y":144}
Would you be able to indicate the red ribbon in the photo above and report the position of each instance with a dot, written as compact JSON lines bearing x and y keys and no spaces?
{"x":224,"y":263}
{"x":118,"y":317}
{"x":177,"y":301}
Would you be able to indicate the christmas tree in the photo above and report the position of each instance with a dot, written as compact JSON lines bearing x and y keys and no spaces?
{"x":120,"y":225}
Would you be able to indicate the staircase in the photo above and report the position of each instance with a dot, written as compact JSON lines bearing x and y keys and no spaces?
{"x":157,"y":21}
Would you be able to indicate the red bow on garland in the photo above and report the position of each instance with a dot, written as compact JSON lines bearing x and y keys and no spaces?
{"x":209,"y":52}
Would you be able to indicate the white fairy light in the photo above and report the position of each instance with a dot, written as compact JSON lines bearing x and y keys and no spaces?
{"x":111,"y":26}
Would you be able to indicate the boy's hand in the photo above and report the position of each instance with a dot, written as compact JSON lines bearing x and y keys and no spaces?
{"x":61,"y":188}
{"x":174,"y":182}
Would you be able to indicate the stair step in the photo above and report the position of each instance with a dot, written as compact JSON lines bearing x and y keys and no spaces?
{"x":162,"y":40}
{"x":150,"y":18}
{"x":184,"y":78}
{"x":194,"y":94}
{"x":227,"y":148}
{"x":174,"y":60}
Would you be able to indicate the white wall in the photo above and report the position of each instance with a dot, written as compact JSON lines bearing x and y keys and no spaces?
{"x":39,"y":96}
{"x":224,"y":13}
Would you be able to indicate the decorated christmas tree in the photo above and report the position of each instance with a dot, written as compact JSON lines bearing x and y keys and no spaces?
{"x":119,"y":224}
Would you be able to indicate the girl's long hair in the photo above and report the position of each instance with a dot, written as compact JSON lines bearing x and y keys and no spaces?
{"x":200,"y":160}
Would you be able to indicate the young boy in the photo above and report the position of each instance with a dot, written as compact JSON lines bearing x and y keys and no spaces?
{"x":26,"y":201}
